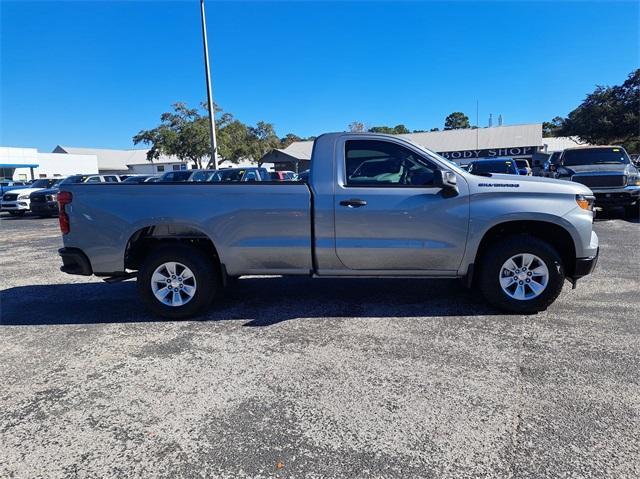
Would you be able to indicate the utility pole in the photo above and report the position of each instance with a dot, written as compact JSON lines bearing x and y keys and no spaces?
{"x":207,"y":71}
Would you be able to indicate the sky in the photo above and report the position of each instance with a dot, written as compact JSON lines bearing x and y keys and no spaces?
{"x":92,"y":74}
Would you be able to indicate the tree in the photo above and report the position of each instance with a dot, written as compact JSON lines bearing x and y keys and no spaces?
{"x":456,"y":120}
{"x":609,"y":115}
{"x":434,"y":129}
{"x":552,"y":128}
{"x":262,"y":139}
{"x":357,"y":127}
{"x":288,"y":139}
{"x":396,"y":130}
{"x":183,"y":133}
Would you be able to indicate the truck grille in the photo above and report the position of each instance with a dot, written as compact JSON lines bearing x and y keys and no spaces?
{"x":10,"y":197}
{"x":603,"y":181}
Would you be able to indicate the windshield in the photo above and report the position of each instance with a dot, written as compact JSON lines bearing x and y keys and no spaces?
{"x":595,"y":156}
{"x":228,"y":175}
{"x":43,"y":183}
{"x":73,"y":179}
{"x":492,"y":167}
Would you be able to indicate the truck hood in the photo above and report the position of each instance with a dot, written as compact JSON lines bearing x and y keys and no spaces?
{"x":525,"y":184}
{"x":23,"y":191}
{"x":606,"y":168}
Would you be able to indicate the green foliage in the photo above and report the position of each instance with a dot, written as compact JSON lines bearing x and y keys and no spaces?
{"x":456,"y":120}
{"x":552,"y":128}
{"x":288,"y":139}
{"x":396,"y":130}
{"x":184,"y":133}
{"x":609,"y":115}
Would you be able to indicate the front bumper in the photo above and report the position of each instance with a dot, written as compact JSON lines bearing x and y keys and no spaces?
{"x":74,"y":261}
{"x":18,"y":205}
{"x":607,"y":197}
{"x":585,"y":266}
{"x":42,"y":208}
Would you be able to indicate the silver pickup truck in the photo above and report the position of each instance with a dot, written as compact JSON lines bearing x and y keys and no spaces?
{"x":374,"y":205}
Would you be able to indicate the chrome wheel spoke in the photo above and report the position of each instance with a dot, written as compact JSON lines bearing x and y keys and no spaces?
{"x":524,"y":276}
{"x":173,"y":284}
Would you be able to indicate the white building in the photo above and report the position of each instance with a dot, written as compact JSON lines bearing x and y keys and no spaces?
{"x":29,"y":163}
{"x":122,"y":162}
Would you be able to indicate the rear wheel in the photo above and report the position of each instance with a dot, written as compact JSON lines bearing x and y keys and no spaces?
{"x":178,"y":281}
{"x":521,"y":274}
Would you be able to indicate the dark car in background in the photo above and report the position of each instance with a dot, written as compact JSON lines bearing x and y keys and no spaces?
{"x":136,"y":179}
{"x":485,"y":167}
{"x":608,"y":171}
{"x":45,"y":202}
{"x":178,"y":176}
{"x":241,"y":174}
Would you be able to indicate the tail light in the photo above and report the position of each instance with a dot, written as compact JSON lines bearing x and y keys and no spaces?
{"x":64,"y":198}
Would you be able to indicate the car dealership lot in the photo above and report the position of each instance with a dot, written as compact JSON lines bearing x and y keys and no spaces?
{"x":291,"y":377}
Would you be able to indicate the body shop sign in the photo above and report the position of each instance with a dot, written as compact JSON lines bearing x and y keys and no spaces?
{"x":491,"y":153}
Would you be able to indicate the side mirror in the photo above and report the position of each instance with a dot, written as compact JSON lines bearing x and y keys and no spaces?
{"x":445,"y":179}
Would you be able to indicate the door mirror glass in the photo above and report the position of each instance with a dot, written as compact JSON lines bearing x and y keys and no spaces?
{"x":445,"y":179}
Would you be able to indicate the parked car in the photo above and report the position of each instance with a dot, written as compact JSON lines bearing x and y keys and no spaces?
{"x":486,"y":167}
{"x":202,"y":175}
{"x":608,"y":171}
{"x":18,"y":203}
{"x":153,"y":179}
{"x":136,"y":179}
{"x":240,"y":175}
{"x":8,"y":185}
{"x":177,"y":176}
{"x":523,"y":167}
{"x":414,"y":214}
{"x":549,"y":169}
{"x":282,"y":175}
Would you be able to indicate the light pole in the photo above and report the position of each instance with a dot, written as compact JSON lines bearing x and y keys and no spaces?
{"x":212,"y":113}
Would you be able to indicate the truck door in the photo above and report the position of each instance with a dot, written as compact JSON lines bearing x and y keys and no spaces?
{"x":390,"y":216}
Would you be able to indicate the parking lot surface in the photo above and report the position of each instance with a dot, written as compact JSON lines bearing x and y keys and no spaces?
{"x":293,"y":377}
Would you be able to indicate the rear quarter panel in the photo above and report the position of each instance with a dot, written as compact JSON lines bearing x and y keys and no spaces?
{"x":256,"y":228}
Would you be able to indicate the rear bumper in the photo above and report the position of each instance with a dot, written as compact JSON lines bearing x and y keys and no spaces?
{"x":585,"y":266}
{"x":74,"y":261}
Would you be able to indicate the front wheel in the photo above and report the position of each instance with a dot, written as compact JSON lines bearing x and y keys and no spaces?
{"x":178,"y":281}
{"x":632,"y":211}
{"x":521,"y":274}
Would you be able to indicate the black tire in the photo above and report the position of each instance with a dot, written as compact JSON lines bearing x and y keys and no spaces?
{"x":17,"y":213}
{"x":205,"y":271}
{"x":503,"y":249}
{"x":632,"y":211}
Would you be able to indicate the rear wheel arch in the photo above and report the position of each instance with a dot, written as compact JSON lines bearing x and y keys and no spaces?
{"x":149,"y":238}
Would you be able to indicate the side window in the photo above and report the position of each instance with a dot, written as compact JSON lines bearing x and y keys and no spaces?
{"x":176,"y":167}
{"x":169,"y":177}
{"x":110,"y":179}
{"x":383,"y":163}
{"x":160,"y":168}
{"x":93,"y":179}
{"x":250,"y":176}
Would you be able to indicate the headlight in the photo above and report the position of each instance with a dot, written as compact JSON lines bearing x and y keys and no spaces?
{"x":633,"y":180}
{"x":23,"y":197}
{"x":585,"y":202}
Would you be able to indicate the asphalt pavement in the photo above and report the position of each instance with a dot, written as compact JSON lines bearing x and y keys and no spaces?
{"x":294,"y":377}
